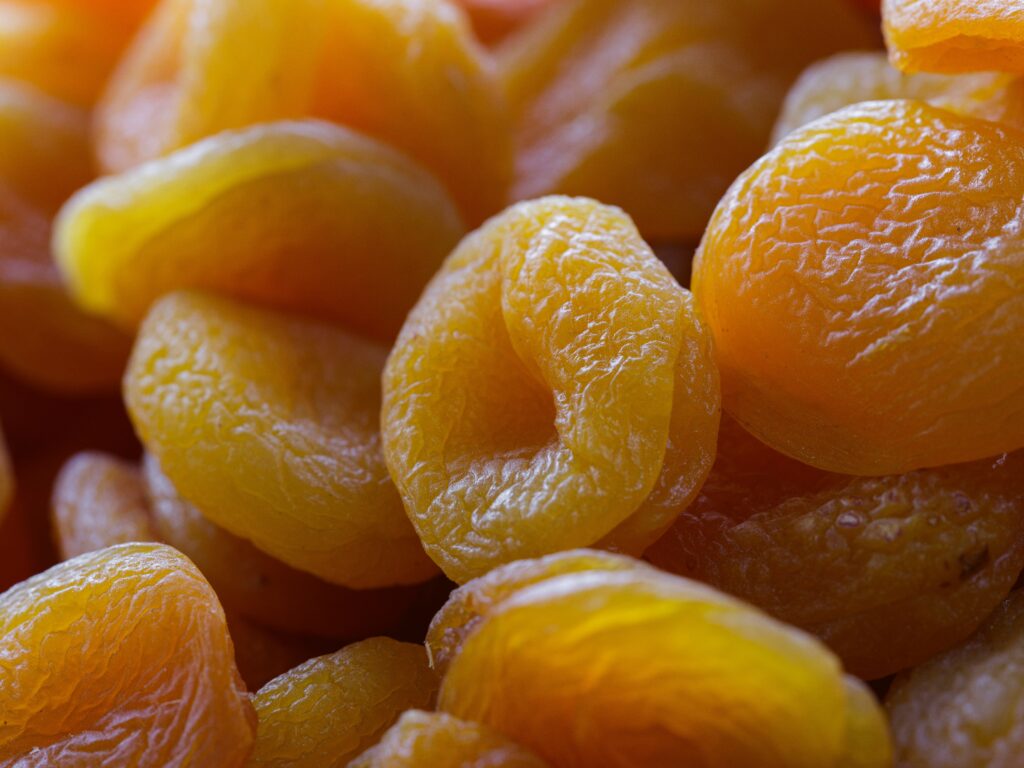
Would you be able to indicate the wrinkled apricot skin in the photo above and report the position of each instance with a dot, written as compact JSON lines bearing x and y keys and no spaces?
{"x":955,"y":35}
{"x":261,"y":588}
{"x":961,"y":709}
{"x":850,"y":78}
{"x":552,"y":388}
{"x":120,"y":656}
{"x":327,"y":711}
{"x":672,"y":673}
{"x":436,"y":740}
{"x":268,"y":424}
{"x":333,"y":225}
{"x":892,"y":570}
{"x":99,"y":501}
{"x":839,"y":266}
{"x":657,"y":105}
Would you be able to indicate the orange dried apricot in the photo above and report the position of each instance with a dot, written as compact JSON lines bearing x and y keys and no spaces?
{"x":888,"y":571}
{"x":657,"y":105}
{"x":671,"y":673}
{"x":436,"y":740}
{"x":303,"y":216}
{"x":261,"y":588}
{"x":120,"y":656}
{"x":552,"y":389}
{"x":99,"y":501}
{"x":329,"y":710}
{"x":268,"y":424}
{"x":955,"y":35}
{"x":403,"y":71}
{"x":962,"y":709}
{"x":850,"y":78}
{"x":842,"y":264}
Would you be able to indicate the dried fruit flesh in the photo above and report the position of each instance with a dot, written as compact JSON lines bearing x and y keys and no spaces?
{"x":851,"y":78}
{"x":955,"y":35}
{"x":671,"y":672}
{"x":261,"y":588}
{"x":303,"y":216}
{"x":840,"y":267}
{"x":329,"y":710}
{"x":268,"y":424}
{"x":436,"y":740}
{"x":888,"y":571}
{"x":99,"y":501}
{"x":553,"y":388}
{"x":657,"y":105}
{"x":122,"y":657}
{"x":963,"y":709}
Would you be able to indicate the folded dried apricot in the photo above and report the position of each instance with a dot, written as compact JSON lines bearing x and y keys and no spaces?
{"x":329,"y":710}
{"x":436,"y":740}
{"x":304,"y":216}
{"x":657,"y":105}
{"x":955,"y":35}
{"x":553,"y":388}
{"x":960,"y":710}
{"x":121,"y":657}
{"x":636,"y":668}
{"x":839,"y":267}
{"x":268,"y":424}
{"x":888,"y":571}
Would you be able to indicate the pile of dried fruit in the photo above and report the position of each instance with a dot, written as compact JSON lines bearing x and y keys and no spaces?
{"x":346,"y":365}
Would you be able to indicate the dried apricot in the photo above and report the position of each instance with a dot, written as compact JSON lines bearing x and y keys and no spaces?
{"x":327,"y":711}
{"x":553,"y":388}
{"x":436,"y":740}
{"x":657,"y":105}
{"x":961,"y":709}
{"x":120,"y":656}
{"x":888,"y":571}
{"x":268,"y":424}
{"x":99,"y":501}
{"x":850,"y":78}
{"x":261,"y":588}
{"x":955,"y":35}
{"x":333,"y":225}
{"x":671,"y":673}
{"x":839,"y":267}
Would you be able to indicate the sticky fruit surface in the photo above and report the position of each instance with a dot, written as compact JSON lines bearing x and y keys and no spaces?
{"x":268,"y":424}
{"x":553,"y":388}
{"x":839,"y":267}
{"x":120,"y":656}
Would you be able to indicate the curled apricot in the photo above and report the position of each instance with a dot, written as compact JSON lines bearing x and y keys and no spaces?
{"x":841,"y":263}
{"x":329,"y":710}
{"x":335,"y":225}
{"x":553,"y":388}
{"x":436,"y":740}
{"x":268,"y":424}
{"x":120,"y":656}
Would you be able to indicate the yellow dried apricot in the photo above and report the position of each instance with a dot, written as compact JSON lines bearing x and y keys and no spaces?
{"x":436,"y":740}
{"x":842,"y":264}
{"x":955,"y":35}
{"x":99,"y":501}
{"x":961,"y":709}
{"x":261,"y":588}
{"x":332,"y":224}
{"x":329,"y":710}
{"x":637,"y":668}
{"x":120,"y":657}
{"x":657,"y":105}
{"x":552,"y":389}
{"x":888,"y":571}
{"x":268,"y":424}
{"x":850,"y":78}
